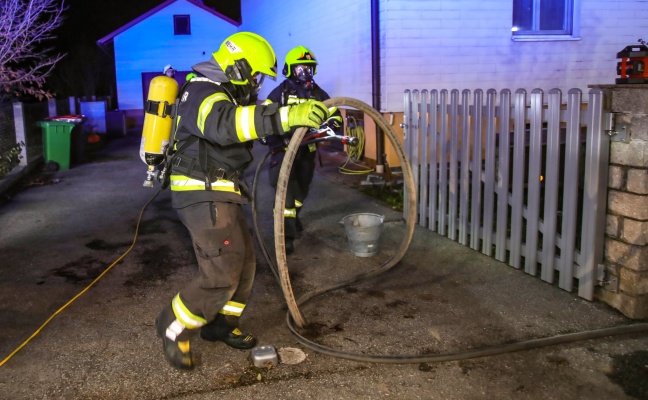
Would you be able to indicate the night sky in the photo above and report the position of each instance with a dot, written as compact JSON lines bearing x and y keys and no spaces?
{"x":87,"y":70}
{"x":90,"y":20}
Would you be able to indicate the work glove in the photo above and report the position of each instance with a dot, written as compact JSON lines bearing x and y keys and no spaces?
{"x":310,"y":113}
{"x":335,"y":122}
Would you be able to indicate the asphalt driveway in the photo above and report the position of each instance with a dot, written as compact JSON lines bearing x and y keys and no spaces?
{"x":63,"y":231}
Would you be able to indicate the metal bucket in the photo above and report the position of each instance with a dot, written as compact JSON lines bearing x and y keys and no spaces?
{"x":363,"y":231}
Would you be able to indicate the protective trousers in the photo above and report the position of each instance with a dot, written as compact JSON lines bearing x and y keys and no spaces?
{"x":225,"y":253}
{"x":299,"y":183}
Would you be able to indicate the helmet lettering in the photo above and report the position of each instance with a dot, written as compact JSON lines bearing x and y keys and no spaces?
{"x":232,"y":47}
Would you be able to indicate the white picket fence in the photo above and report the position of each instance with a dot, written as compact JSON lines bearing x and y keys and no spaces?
{"x":521,"y":178}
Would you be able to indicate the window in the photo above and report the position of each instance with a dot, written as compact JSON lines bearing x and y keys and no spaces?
{"x":181,"y":25}
{"x":545,"y":19}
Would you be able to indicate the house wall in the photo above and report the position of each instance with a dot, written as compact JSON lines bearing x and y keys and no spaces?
{"x":338,"y":34}
{"x":440,"y":44}
{"x":149,"y":45}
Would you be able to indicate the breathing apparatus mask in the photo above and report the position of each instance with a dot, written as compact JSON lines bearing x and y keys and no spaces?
{"x":303,"y":74}
{"x":246,"y":83}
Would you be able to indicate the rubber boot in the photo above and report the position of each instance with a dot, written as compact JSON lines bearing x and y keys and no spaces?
{"x":290,"y":246}
{"x":175,"y":339}
{"x":290,"y":233}
{"x":225,"y":329}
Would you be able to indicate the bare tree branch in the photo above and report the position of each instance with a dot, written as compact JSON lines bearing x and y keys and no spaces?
{"x":25,"y":61}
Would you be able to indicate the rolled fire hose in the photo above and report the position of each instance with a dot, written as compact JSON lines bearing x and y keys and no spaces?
{"x":280,"y":203}
{"x":294,"y":315}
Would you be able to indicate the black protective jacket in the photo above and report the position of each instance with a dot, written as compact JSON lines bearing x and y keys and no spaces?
{"x":217,"y":130}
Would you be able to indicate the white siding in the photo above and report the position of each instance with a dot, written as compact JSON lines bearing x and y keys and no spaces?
{"x":339,"y":34}
{"x":434,"y":44}
{"x":149,"y":45}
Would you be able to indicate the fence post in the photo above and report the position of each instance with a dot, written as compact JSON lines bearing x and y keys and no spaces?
{"x":73,"y":106}
{"x":626,"y":232}
{"x":517,"y":197}
{"x":407,"y":133}
{"x":51,"y":108}
{"x":21,"y":134}
{"x":503,"y":173}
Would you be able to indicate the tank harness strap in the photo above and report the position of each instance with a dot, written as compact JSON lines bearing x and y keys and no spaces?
{"x":199,"y":167}
{"x":153,"y":107}
{"x":170,"y":151}
{"x":202,"y":157}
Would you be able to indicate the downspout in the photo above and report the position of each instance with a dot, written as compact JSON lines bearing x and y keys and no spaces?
{"x":108,"y":48}
{"x":375,"y":81}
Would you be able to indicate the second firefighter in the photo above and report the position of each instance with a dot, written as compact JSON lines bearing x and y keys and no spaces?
{"x":299,"y":86}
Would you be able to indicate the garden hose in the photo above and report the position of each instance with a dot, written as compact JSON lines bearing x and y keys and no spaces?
{"x":354,"y":152}
{"x":29,"y":339}
{"x":354,"y":129}
{"x":294,"y":315}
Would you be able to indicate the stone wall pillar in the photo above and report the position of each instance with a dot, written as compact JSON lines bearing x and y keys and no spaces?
{"x":626,"y":239}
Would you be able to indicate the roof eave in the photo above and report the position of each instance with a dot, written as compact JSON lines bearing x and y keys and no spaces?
{"x":109,"y":37}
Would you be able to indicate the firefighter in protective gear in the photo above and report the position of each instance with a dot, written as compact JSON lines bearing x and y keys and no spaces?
{"x":169,"y":71}
{"x":217,"y":119}
{"x":299,"y":68}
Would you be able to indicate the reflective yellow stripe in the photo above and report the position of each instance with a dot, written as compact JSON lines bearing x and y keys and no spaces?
{"x":267,"y":102}
{"x":175,"y":147}
{"x":186,"y":317}
{"x":206,"y":107}
{"x":175,"y":329}
{"x":295,"y":100}
{"x":290,"y":213}
{"x":180,"y":183}
{"x":245,"y":129}
{"x":283,"y":114}
{"x":298,"y":203}
{"x":233,"y":308}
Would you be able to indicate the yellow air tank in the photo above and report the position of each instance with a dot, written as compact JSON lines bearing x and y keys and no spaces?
{"x":158,"y":122}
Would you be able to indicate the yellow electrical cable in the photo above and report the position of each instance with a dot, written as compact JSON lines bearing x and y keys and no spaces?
{"x":13,"y":353}
{"x":354,"y":130}
{"x":354,"y":152}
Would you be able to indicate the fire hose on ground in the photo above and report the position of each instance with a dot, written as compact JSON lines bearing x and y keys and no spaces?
{"x":294,"y":317}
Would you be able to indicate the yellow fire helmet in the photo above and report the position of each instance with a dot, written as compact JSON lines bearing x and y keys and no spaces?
{"x":246,"y":58}
{"x":300,"y":55}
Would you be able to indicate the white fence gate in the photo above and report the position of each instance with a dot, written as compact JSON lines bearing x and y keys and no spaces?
{"x":520,"y":178}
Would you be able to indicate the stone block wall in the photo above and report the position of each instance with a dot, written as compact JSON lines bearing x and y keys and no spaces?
{"x":626,"y":240}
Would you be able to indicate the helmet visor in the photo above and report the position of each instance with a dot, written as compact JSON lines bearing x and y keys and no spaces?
{"x":304,"y":72}
{"x":257,"y":81}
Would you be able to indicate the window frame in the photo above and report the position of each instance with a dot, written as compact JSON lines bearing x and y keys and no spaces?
{"x":184,"y":19}
{"x":572,"y":9}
